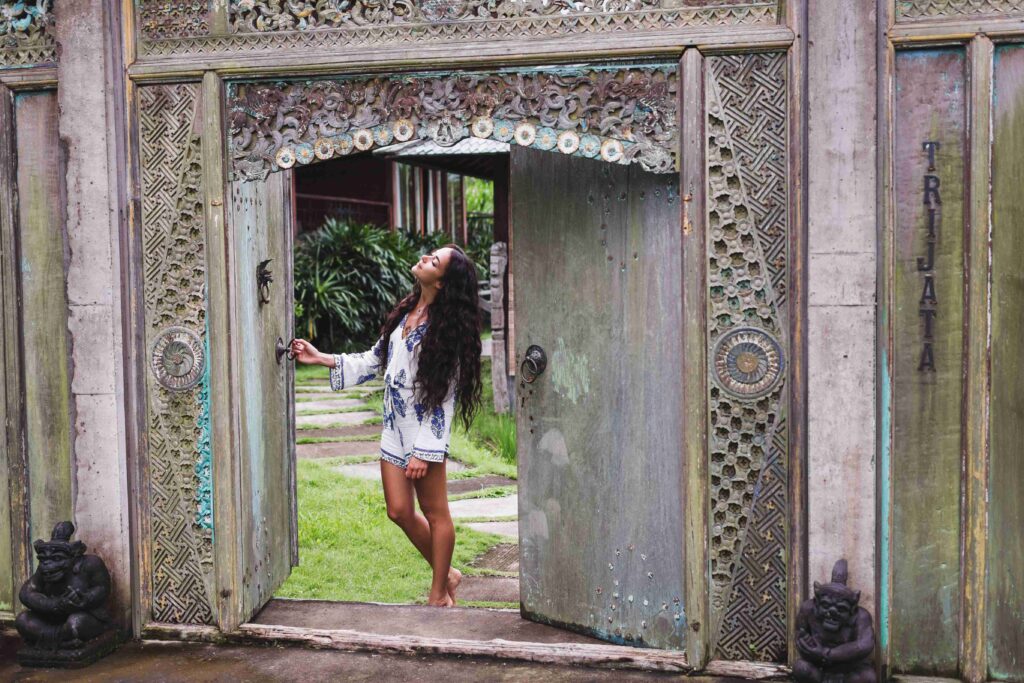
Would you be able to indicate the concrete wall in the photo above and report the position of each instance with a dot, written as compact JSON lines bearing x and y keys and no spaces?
{"x":91,"y":130}
{"x":842,"y":254}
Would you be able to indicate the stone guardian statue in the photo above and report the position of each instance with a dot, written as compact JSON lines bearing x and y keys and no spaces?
{"x":835,"y":636}
{"x":66,"y":623}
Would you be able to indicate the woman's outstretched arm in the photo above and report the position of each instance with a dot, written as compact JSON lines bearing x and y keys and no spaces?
{"x":347,"y":369}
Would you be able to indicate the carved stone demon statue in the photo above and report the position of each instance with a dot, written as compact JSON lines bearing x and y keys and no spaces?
{"x":835,"y":637}
{"x":66,"y":600}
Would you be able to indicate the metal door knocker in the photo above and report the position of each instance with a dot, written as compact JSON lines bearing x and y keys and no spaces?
{"x":283,"y":349}
{"x":263,"y":279}
{"x":534,"y":363}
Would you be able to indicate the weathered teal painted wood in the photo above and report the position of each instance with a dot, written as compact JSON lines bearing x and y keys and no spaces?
{"x":12,"y":488}
{"x":1005,"y":590}
{"x":930,"y":105}
{"x":259,"y":233}
{"x":44,"y":312}
{"x":595,"y":251}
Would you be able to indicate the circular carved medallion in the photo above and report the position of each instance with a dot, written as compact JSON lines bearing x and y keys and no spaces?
{"x":178,"y":359}
{"x":748,"y":362}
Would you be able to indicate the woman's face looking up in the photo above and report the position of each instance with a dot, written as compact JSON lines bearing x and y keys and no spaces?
{"x":431,"y":267}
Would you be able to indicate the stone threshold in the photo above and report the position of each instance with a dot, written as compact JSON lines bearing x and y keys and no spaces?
{"x":554,"y":646}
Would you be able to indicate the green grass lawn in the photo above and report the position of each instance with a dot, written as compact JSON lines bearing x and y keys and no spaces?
{"x":350,"y":550}
{"x":305,"y":373}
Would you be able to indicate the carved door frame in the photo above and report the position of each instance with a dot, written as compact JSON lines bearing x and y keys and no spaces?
{"x":695,"y":71}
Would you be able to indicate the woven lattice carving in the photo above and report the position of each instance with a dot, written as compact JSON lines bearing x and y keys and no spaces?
{"x":26,"y":33}
{"x":747,"y":219}
{"x":173,"y":18}
{"x":917,"y":9}
{"x":174,"y":267}
{"x":619,"y":115}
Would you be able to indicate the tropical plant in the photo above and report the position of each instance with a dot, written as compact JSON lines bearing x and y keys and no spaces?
{"x":479,"y":195}
{"x":348,"y":276}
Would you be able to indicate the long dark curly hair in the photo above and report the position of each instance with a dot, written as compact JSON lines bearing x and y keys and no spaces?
{"x":451,"y":344}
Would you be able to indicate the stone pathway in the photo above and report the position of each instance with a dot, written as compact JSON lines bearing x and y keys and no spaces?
{"x":326,"y":419}
{"x":485,"y":507}
{"x":334,"y":404}
{"x":491,"y":515}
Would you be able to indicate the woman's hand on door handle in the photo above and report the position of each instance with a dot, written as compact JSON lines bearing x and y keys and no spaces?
{"x":305,"y":352}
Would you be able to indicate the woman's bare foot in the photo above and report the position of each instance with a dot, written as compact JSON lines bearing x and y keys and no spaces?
{"x":445,"y":601}
{"x":454,"y":579}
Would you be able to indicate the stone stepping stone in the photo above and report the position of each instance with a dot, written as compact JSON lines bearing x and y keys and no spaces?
{"x":310,"y":396}
{"x":489,"y":588}
{"x":335,"y":404}
{"x":509,"y":529}
{"x":337,"y":449}
{"x":335,"y":432}
{"x":485,"y":348}
{"x":334,"y":418}
{"x":362,"y":470}
{"x":503,"y":557}
{"x":478,"y":483}
{"x":371,"y":470}
{"x":485,"y":507}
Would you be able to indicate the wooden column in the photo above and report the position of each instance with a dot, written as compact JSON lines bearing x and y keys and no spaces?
{"x":973,"y":665}
{"x":694,"y":365}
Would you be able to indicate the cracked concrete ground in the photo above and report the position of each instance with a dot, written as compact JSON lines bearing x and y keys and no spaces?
{"x":175,"y":662}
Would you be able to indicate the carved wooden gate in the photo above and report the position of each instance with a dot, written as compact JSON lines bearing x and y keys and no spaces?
{"x":731,"y":504}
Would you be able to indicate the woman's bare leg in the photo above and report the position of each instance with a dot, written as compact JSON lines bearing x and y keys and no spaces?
{"x":432,"y":492}
{"x":398,"y":494}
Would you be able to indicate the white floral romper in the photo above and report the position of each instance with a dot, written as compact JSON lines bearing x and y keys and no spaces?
{"x":408,"y":429}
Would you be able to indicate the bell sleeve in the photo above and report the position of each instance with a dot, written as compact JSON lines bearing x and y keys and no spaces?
{"x":351,"y":369}
{"x":434,"y":434}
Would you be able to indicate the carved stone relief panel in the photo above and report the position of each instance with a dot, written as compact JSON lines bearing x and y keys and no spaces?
{"x":181,"y":26}
{"x":747,"y":194}
{"x":921,"y":9}
{"x":177,"y":383}
{"x":621,"y":115}
{"x":27,"y":33}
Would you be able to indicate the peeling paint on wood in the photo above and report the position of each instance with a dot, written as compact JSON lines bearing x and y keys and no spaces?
{"x":930,"y":105}
{"x":258,"y":227}
{"x":44,"y":312}
{"x":603,"y":437}
{"x":1005,"y":600}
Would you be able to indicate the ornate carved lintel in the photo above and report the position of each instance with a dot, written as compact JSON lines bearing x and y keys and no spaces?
{"x":620,"y":115}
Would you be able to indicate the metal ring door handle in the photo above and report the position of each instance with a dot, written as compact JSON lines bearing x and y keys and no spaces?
{"x":283,"y":349}
{"x":534,"y":364}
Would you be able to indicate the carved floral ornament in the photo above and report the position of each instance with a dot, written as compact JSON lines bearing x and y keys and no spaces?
{"x":287,"y":15}
{"x":624,"y":116}
{"x":169,"y":27}
{"x":26,"y":33}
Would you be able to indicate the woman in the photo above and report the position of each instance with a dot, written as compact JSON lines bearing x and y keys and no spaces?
{"x":429,"y":353}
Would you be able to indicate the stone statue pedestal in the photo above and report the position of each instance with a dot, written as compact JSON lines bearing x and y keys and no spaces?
{"x":71,"y":658}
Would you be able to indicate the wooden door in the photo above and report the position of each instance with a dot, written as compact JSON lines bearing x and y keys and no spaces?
{"x":1004,"y":607}
{"x":35,"y":451}
{"x":596,"y":261}
{"x":261,"y":234}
